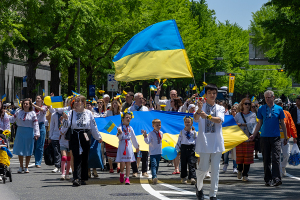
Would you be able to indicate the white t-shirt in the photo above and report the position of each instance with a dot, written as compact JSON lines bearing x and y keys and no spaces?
{"x":163,"y":102}
{"x":210,"y":142}
{"x":135,"y":108}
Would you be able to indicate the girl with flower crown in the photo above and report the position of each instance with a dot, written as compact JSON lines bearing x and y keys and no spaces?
{"x":125,"y":153}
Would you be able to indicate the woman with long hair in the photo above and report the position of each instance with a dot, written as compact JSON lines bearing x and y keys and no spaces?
{"x":40,"y":111}
{"x":28,"y":131}
{"x":246,"y":120}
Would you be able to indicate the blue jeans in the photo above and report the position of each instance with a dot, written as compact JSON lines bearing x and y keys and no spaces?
{"x":226,"y":160}
{"x":154,"y":160}
{"x":39,"y":145}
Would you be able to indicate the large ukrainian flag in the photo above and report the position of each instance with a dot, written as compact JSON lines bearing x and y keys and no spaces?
{"x":171,"y":124}
{"x":156,"y":52}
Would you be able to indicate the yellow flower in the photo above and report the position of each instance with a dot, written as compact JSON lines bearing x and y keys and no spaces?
{"x":6,"y":132}
{"x":101,"y":91}
{"x":162,"y":106}
{"x":204,"y":83}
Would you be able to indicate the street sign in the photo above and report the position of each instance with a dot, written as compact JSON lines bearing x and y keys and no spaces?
{"x":112,"y":84}
{"x":220,"y":73}
{"x":191,"y":85}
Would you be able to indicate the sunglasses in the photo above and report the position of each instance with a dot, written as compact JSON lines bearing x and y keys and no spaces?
{"x":253,"y":106}
{"x":247,"y":104}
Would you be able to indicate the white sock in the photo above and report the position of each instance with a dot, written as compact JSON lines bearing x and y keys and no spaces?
{"x":127,"y":177}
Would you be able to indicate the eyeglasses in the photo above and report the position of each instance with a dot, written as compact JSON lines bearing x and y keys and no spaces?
{"x":100,"y":102}
{"x":253,"y":106}
{"x":247,"y":104}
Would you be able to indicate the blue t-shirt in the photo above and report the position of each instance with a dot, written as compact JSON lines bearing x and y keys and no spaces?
{"x":270,"y":117}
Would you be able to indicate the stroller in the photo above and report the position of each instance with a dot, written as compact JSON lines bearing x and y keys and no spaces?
{"x":5,"y":156}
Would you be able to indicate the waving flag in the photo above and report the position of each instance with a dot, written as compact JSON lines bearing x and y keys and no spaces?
{"x":153,"y":87}
{"x":171,"y":124}
{"x":75,"y":93}
{"x":55,"y":102}
{"x":19,"y":103}
{"x":3,"y":98}
{"x":154,"y":53}
{"x":43,"y":92}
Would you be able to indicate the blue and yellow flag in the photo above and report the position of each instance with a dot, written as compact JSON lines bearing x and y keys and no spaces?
{"x":171,"y":124}
{"x":94,"y":100}
{"x":75,"y":93}
{"x":153,"y":87}
{"x":3,"y":98}
{"x":55,"y":102}
{"x":253,"y":99}
{"x":19,"y":103}
{"x":154,"y":53}
{"x":109,"y":126}
{"x":43,"y":92}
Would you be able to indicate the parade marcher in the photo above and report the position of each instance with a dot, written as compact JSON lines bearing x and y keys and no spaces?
{"x":154,"y":139}
{"x":101,"y":109}
{"x":291,"y":131}
{"x":138,"y":106}
{"x":210,"y":142}
{"x":54,"y":137}
{"x":173,"y":94}
{"x":106,"y":99}
{"x":4,"y":119}
{"x":41,"y":111}
{"x":125,"y":154}
{"x":128,"y":101}
{"x":186,"y":145}
{"x":83,"y":123}
{"x":257,"y":140}
{"x":270,"y":116}
{"x":295,"y":112}
{"x":115,"y":108}
{"x":246,"y":120}
{"x":28,"y":131}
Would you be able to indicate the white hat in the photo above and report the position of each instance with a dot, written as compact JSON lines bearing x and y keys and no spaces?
{"x":106,"y":95}
{"x":191,"y":106}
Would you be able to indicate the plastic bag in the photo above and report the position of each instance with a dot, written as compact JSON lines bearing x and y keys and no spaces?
{"x":294,"y":158}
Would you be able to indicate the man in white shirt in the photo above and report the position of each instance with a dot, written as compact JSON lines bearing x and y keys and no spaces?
{"x":106,"y":99}
{"x":210,"y":142}
{"x":173,"y":94}
{"x":138,"y":106}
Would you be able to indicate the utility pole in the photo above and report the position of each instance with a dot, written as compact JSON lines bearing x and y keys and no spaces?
{"x":78,"y":75}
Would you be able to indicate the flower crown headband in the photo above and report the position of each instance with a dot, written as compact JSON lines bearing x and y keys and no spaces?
{"x":188,"y":117}
{"x":127,"y":112}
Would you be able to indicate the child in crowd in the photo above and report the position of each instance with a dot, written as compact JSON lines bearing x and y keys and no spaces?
{"x":54,"y":136}
{"x":154,"y":139}
{"x":125,"y":153}
{"x":186,"y":144}
{"x":65,"y":158}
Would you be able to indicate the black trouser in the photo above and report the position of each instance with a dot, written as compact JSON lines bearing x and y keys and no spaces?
{"x":271,"y":146}
{"x":57,"y":155}
{"x":188,"y":157}
{"x":244,"y":168}
{"x":144,"y":162}
{"x":80,"y":161}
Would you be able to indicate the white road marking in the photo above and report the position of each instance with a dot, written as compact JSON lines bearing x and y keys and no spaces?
{"x":291,"y":176}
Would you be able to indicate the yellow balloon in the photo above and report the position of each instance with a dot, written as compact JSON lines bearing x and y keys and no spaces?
{"x":167,"y":143}
{"x":47,"y":100}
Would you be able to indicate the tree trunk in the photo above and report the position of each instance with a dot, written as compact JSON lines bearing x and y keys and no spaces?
{"x":89,"y":79}
{"x":55,"y":80}
{"x":71,"y":77}
{"x":31,"y":74}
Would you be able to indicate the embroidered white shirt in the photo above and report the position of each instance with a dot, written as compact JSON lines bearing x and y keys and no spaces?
{"x":155,"y":146}
{"x":26,"y":119}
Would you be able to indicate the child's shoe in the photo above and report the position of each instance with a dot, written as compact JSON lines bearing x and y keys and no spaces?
{"x":154,"y":181}
{"x":127,"y":182}
{"x":121,"y":178}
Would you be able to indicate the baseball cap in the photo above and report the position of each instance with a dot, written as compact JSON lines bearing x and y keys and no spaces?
{"x":106,"y":95}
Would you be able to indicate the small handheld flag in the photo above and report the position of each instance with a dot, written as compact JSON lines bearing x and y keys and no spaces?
{"x":109,"y":126}
{"x":202,"y":93}
{"x":19,"y":103}
{"x":94,"y":100}
{"x":3,"y":97}
{"x":43,"y":92}
{"x":153,"y":88}
{"x":55,"y":102}
{"x":253,"y":99}
{"x":75,"y":93}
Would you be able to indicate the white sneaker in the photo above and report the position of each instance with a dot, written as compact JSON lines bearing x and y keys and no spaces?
{"x":26,"y":170}
{"x":184,"y":180}
{"x":20,"y":170}
{"x":70,"y":171}
{"x":283,"y":171}
{"x":67,"y":177}
{"x":63,"y":177}
{"x":55,"y":170}
{"x":207,"y":175}
{"x":0,"y":178}
{"x":225,"y":167}
{"x":170,"y":164}
{"x":235,"y":171}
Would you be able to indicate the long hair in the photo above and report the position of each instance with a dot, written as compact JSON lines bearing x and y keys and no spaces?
{"x":103,"y":106}
{"x":242,"y":103}
{"x":112,"y":106}
{"x":177,"y":103}
{"x":30,"y":104}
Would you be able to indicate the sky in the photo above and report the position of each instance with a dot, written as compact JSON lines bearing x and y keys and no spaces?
{"x":239,"y":11}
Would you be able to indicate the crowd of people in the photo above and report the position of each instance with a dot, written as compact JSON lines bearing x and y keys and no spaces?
{"x":72,"y":130}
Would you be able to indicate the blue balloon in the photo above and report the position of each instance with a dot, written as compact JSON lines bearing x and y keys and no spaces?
{"x":169,"y":153}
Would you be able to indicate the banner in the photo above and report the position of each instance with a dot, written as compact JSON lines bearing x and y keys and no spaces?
{"x":231,"y":85}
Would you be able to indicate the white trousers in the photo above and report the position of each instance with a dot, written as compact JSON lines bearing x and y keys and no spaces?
{"x":205,"y":160}
{"x":285,"y":154}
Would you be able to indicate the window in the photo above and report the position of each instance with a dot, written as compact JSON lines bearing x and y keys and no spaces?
{"x":18,"y":87}
{"x":40,"y":85}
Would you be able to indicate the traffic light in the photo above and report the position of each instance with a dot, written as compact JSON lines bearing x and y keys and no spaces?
{"x":230,"y":74}
{"x":281,"y":70}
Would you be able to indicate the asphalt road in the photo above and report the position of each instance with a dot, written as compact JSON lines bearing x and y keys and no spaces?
{"x":42,"y":184}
